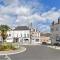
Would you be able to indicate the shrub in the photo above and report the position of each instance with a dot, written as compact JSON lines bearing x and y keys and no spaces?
{"x":5,"y":47}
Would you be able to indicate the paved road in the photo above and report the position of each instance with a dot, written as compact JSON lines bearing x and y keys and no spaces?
{"x":37,"y":53}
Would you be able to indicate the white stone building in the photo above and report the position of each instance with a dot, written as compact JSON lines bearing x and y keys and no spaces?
{"x":19,"y":34}
{"x":55,"y":32}
{"x":35,"y":37}
{"x":24,"y":35}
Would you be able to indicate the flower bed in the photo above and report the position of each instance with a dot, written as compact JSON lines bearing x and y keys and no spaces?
{"x":6,"y":47}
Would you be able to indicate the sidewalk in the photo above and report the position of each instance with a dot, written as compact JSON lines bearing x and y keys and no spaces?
{"x":54,"y":47}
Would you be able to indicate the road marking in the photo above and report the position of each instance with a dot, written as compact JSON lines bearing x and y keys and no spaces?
{"x":7,"y":57}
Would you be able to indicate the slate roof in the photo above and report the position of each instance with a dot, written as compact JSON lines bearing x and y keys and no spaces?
{"x":21,"y":28}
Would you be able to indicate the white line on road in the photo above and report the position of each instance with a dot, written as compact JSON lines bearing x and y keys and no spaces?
{"x":7,"y":57}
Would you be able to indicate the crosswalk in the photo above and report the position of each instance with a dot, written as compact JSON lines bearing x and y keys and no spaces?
{"x":5,"y":57}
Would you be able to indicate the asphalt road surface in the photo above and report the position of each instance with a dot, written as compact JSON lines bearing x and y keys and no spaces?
{"x":37,"y":53}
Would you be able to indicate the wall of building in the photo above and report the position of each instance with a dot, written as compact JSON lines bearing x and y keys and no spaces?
{"x":55,"y":33}
{"x":45,"y":39}
{"x":32,"y":36}
{"x":35,"y":37}
{"x":22,"y":36}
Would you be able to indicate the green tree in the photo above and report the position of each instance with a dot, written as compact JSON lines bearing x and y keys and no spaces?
{"x":4,"y":29}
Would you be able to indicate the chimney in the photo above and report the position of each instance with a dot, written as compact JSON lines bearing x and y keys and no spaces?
{"x":59,"y":20}
{"x":53,"y":23}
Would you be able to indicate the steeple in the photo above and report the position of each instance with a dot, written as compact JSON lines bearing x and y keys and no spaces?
{"x":53,"y":23}
{"x":30,"y":25}
{"x":59,"y":20}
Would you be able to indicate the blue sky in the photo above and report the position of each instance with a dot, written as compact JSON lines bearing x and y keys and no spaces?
{"x":52,"y":3}
{"x":40,"y":13}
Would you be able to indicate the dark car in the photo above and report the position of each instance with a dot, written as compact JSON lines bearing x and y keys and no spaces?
{"x":44,"y":43}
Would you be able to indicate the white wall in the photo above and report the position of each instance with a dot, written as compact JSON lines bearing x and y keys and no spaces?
{"x":15,"y":33}
{"x":24,"y":33}
{"x":18,"y":33}
{"x":11,"y":33}
{"x":35,"y":35}
{"x":9,"y":40}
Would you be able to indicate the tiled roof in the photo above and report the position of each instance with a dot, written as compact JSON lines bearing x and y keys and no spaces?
{"x":21,"y":28}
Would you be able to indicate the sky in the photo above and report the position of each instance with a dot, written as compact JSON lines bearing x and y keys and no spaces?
{"x":40,"y":13}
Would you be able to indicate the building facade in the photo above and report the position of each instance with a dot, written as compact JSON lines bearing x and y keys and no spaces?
{"x":24,"y":35}
{"x":55,"y":32}
{"x":19,"y":34}
{"x":35,"y":36}
{"x":45,"y":38}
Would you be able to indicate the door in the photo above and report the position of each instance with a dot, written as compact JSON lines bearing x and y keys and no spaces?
{"x":16,"y":40}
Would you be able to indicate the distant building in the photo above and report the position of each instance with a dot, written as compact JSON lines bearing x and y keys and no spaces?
{"x":19,"y":34}
{"x":55,"y":32}
{"x":45,"y":38}
{"x":35,"y":36}
{"x":24,"y":35}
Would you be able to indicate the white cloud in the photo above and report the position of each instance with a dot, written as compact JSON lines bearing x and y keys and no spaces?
{"x":44,"y":28}
{"x":51,"y":14}
{"x":22,"y":10}
{"x":6,"y":20}
{"x":25,"y":14}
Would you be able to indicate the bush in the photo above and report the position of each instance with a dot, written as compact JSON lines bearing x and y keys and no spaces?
{"x":5,"y":47}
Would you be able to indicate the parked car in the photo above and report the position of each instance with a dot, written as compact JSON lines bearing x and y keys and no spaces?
{"x":56,"y":44}
{"x":44,"y":43}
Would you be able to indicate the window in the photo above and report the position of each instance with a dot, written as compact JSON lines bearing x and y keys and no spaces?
{"x":9,"y":34}
{"x":26,"y":39}
{"x":52,"y":29}
{"x":37,"y":40}
{"x":16,"y":39}
{"x":21,"y":35}
{"x":57,"y":38}
{"x":28,"y":35}
{"x":25,"y":35}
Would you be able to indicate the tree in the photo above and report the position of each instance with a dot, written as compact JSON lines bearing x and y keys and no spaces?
{"x":4,"y":29}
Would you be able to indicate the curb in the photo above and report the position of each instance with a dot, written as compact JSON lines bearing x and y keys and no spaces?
{"x":12,"y":52}
{"x":31,"y":44}
{"x":54,"y":47}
